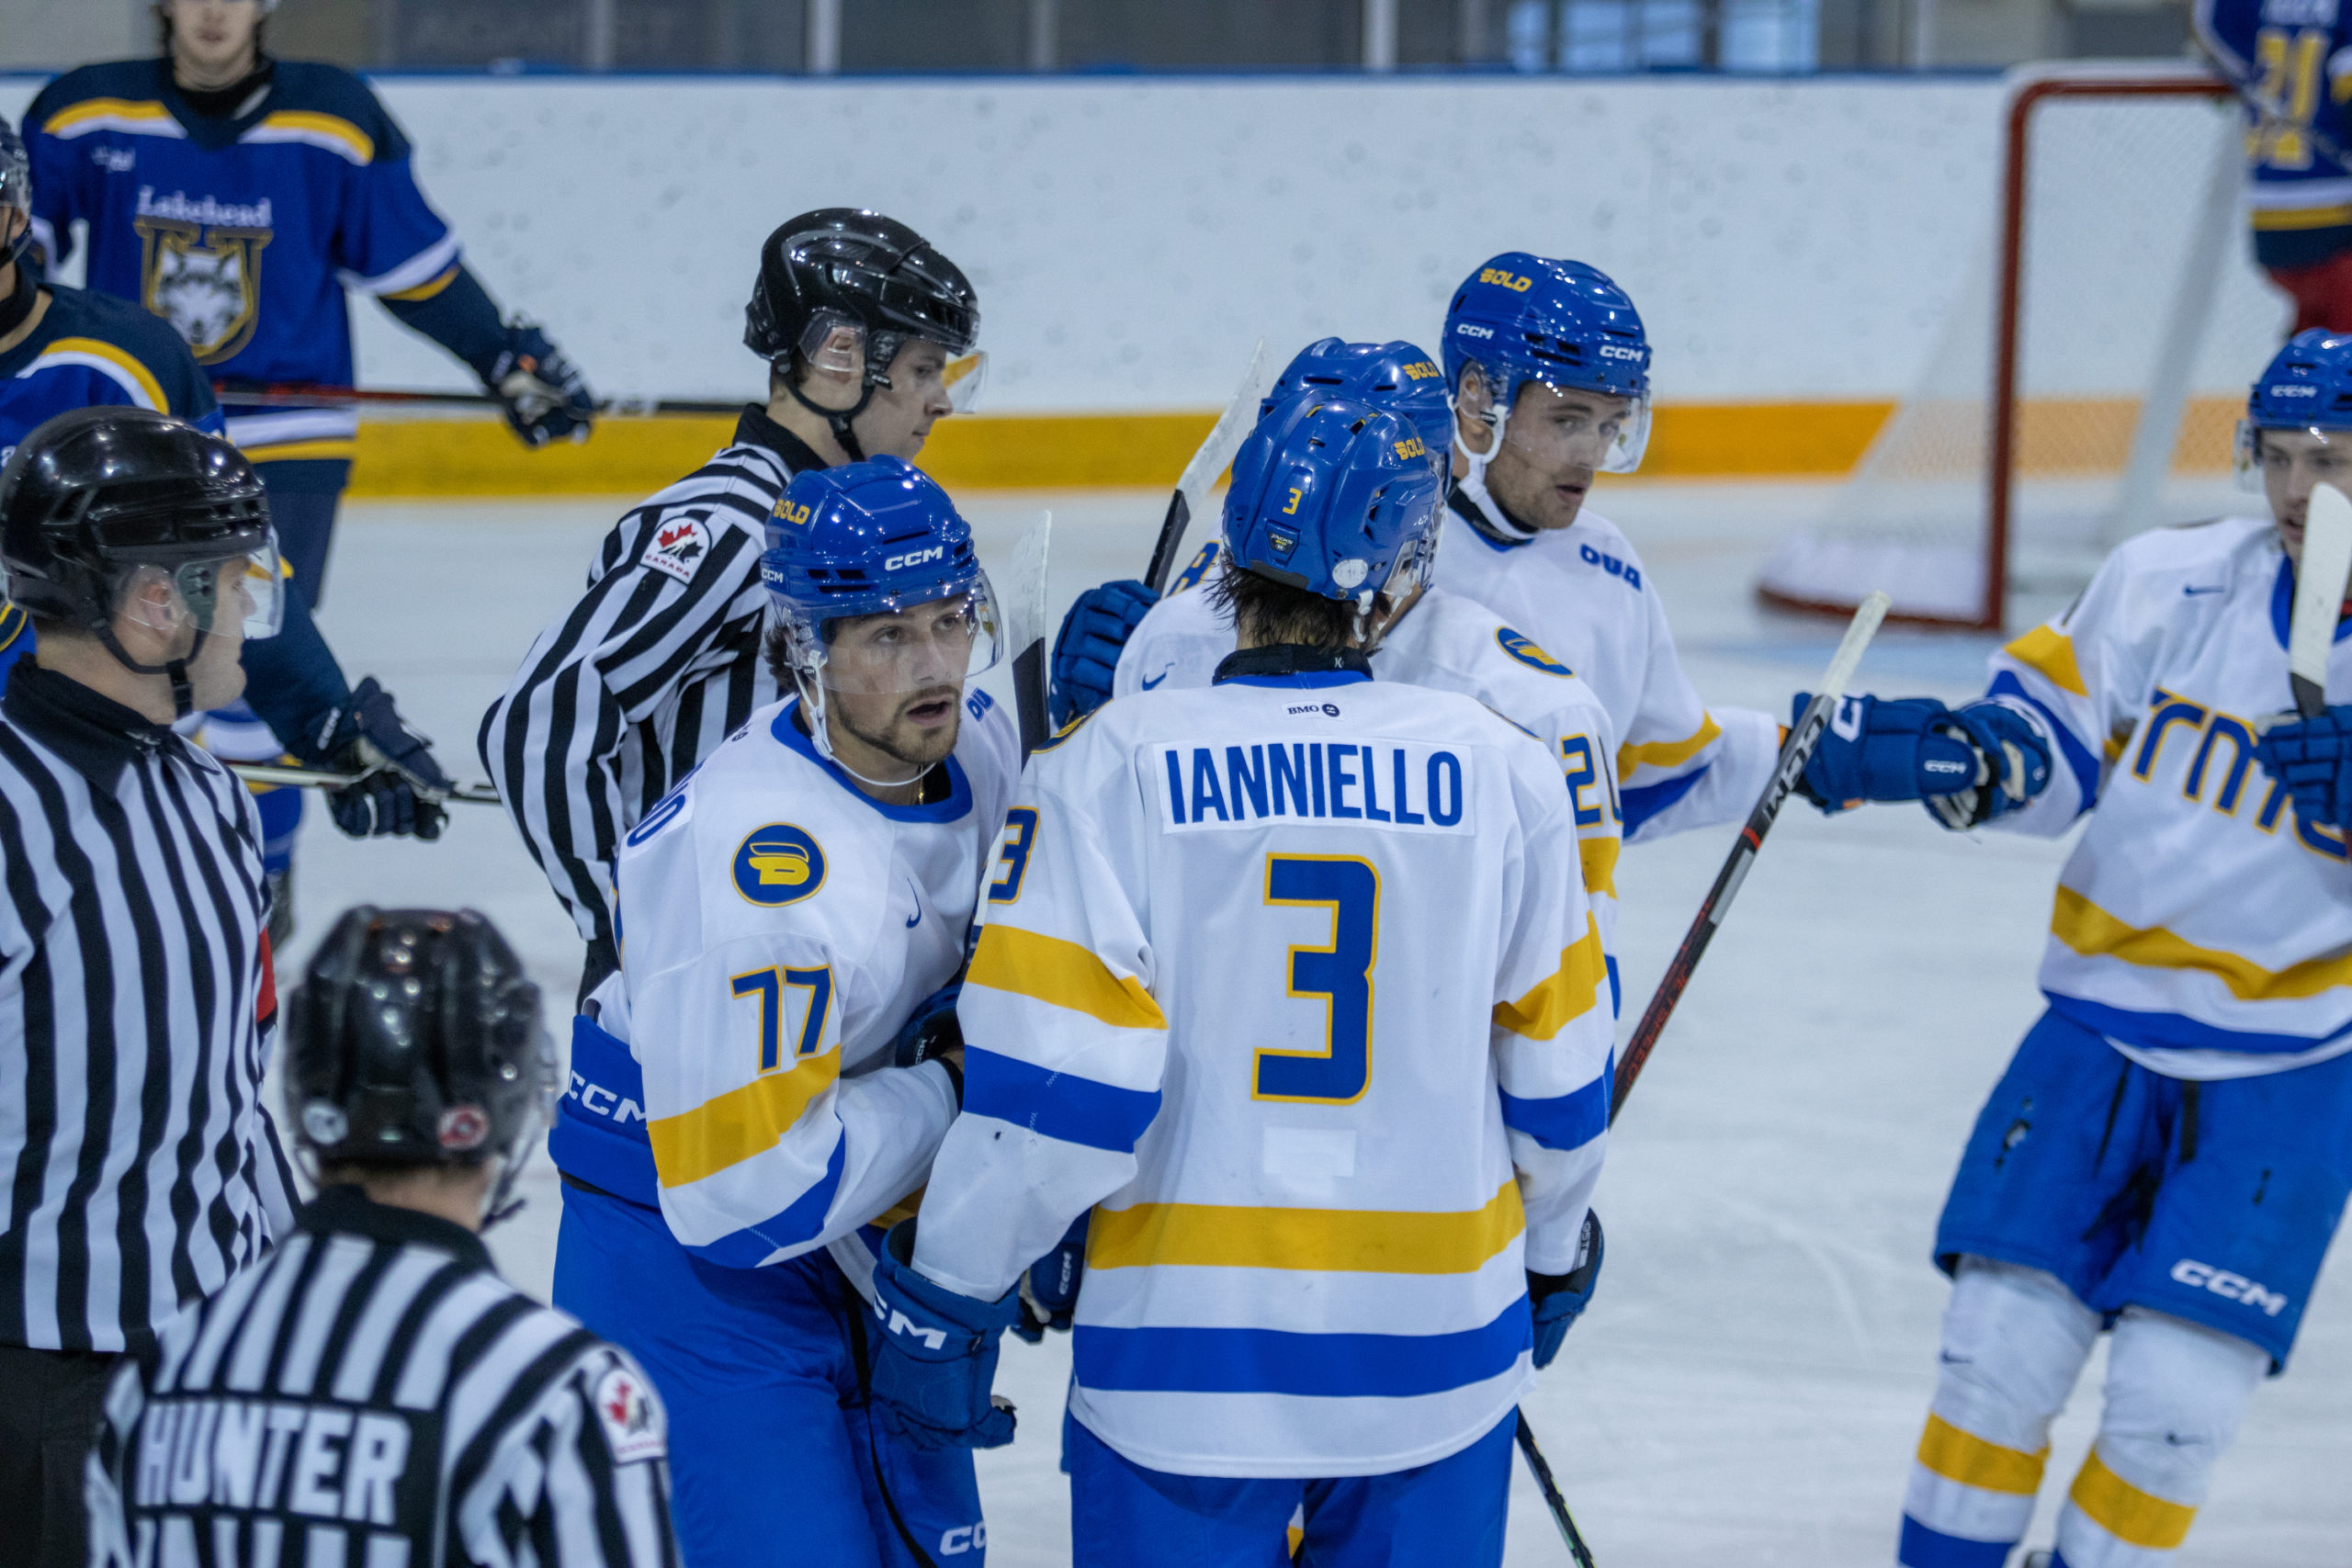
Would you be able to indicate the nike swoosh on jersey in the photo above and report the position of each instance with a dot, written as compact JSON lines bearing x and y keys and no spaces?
{"x":918,"y":920}
{"x":1155,"y":680}
{"x":2192,"y":592}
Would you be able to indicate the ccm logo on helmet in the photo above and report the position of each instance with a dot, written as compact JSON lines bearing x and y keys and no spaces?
{"x":1515,"y":284}
{"x":1611,"y":351}
{"x":913,"y":558}
{"x":2228,"y":1286}
{"x":2293,"y":391}
{"x":1471,"y":328}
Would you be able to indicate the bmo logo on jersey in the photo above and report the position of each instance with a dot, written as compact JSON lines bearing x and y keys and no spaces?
{"x":2228,"y":1286}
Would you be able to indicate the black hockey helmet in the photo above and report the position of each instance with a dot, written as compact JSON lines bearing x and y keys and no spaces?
{"x":95,"y":494}
{"x":16,"y":190}
{"x":417,"y":1039}
{"x":844,"y":266}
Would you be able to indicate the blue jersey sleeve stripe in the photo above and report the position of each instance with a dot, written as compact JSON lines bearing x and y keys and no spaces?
{"x":1563,"y":1122}
{"x":1641,"y":805}
{"x":1058,"y":1105}
{"x":1328,"y":1366}
{"x":2171,"y":1031}
{"x":2078,"y":757}
{"x":797,"y":1224}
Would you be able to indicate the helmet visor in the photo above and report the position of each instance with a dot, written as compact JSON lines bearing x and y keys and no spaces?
{"x":247,"y":591}
{"x":2324,"y":454}
{"x":1558,"y":427}
{"x":905,"y":648}
{"x":964,"y":380}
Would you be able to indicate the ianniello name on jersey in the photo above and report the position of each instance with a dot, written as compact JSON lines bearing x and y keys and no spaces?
{"x":1402,"y":788}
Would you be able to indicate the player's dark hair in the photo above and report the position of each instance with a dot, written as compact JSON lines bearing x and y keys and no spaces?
{"x":1266,"y":612}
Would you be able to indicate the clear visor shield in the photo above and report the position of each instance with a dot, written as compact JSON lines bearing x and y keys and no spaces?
{"x":247,"y":591}
{"x":836,"y":343}
{"x":1561,"y":428}
{"x":2300,"y":458}
{"x":936,"y":646}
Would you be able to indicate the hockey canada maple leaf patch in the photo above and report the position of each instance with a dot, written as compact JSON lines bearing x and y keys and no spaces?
{"x":678,"y":548}
{"x":634,"y":1428}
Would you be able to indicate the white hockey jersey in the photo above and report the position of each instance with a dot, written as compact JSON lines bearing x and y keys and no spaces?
{"x":1583,"y":594}
{"x":1281,"y":976}
{"x":2198,"y":924}
{"x":778,"y":925}
{"x":1451,"y":644}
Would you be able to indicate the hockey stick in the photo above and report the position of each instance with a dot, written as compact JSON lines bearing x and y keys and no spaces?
{"x":1538,"y":1468}
{"x":2319,"y":596}
{"x":1024,"y":618}
{"x":320,"y":778}
{"x":1200,"y":475}
{"x":1795,"y":751}
{"x":2276,"y":113}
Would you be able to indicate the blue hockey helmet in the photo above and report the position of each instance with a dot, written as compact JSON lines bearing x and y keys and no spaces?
{"x":877,"y":538}
{"x":1396,"y":378}
{"x":1522,"y":318}
{"x":2307,"y":386}
{"x":1334,"y":496}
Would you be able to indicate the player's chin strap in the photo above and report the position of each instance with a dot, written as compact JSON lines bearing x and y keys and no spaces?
{"x":183,"y":692}
{"x":1471,"y":500}
{"x":21,"y":300}
{"x":838,"y":420}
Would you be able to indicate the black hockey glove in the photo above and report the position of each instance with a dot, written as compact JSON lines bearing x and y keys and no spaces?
{"x":930,"y":1033}
{"x":1049,"y":1290}
{"x":545,"y":397}
{"x":394,"y":796}
{"x":1560,"y":1299}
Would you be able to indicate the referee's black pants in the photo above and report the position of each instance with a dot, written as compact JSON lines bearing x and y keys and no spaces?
{"x":51,"y":1403}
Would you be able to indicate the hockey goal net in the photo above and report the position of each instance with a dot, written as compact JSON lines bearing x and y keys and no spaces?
{"x":2086,"y":384}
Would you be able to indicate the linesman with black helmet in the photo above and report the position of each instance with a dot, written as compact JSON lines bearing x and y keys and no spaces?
{"x":867,"y":334}
{"x":134,"y":971}
{"x":374,"y":1395}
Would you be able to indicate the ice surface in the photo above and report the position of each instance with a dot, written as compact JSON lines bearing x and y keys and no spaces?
{"x":1749,"y":1385}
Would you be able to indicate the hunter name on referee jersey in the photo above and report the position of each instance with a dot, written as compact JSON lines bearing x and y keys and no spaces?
{"x":374,"y":1396}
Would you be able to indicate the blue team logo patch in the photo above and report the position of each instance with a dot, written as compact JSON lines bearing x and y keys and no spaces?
{"x":1523,"y":648}
{"x":779,"y":864}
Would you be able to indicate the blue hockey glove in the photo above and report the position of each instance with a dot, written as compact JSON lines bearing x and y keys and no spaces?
{"x":1086,"y":650}
{"x":1049,"y":1291}
{"x":1560,"y":1299}
{"x":1969,"y":765}
{"x":400,"y":780}
{"x":935,"y":1355}
{"x":2313,"y":757}
{"x":931,"y":1030}
{"x":546,"y":399}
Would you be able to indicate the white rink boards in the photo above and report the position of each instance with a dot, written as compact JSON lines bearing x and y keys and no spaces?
{"x":1750,"y":1382}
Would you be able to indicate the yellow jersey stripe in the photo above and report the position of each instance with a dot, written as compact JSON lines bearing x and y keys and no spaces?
{"x":13,"y":623}
{"x":120,"y":358}
{"x":741,"y":1124}
{"x":1968,"y":1459}
{"x":1063,"y":974}
{"x":2125,"y":1512}
{"x":1599,"y":859}
{"x":342,"y":447}
{"x":426,"y":290}
{"x":2052,"y":654}
{"x":1353,"y":1241}
{"x":2093,"y":932}
{"x":2277,"y":217}
{"x":65,"y":120}
{"x":1566,"y":995}
{"x":1667,"y":753}
{"x":310,"y":123}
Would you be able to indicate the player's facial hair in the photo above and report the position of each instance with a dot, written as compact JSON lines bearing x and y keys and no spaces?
{"x":883,"y":743}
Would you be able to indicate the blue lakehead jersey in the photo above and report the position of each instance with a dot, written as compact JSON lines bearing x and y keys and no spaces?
{"x":2292,"y":55}
{"x":242,"y":233}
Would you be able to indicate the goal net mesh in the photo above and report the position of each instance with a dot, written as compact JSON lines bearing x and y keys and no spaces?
{"x":2141,"y":321}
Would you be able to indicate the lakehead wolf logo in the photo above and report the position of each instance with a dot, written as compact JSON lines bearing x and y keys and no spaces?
{"x":205,"y":281}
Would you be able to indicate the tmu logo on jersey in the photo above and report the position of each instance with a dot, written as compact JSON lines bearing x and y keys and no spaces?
{"x":200,"y":268}
{"x":1403,"y":787}
{"x":678,"y":548}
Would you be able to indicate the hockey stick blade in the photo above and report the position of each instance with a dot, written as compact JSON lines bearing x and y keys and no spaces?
{"x":1024,"y":617}
{"x":2320,"y":579}
{"x":1541,"y":1470}
{"x":1200,"y":476}
{"x":322,"y":778}
{"x":1795,"y":752}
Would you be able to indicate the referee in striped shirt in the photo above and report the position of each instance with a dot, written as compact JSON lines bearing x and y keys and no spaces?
{"x":859,"y":319}
{"x":141,"y":1170}
{"x":374,"y":1395}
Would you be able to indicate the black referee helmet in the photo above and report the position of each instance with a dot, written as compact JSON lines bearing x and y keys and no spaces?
{"x":417,"y":1039}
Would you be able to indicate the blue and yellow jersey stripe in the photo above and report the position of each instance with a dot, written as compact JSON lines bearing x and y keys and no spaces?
{"x":139,"y":117}
{"x":1063,"y":975}
{"x":115,"y":363}
{"x":741,"y":1124}
{"x":1667,"y":753}
{"x":1353,"y":1241}
{"x":309,"y":128}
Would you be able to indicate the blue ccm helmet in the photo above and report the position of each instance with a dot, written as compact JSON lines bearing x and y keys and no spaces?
{"x":1396,"y":377}
{"x":1522,"y":318}
{"x":1332,"y":495}
{"x":2307,"y":386}
{"x":868,"y":538}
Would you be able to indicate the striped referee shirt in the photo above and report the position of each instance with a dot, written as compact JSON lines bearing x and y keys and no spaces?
{"x":641,"y":679}
{"x":141,"y":1170}
{"x":374,"y":1396}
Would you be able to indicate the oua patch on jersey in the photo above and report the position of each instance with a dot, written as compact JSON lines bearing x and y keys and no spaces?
{"x":778,"y":865}
{"x":1410,"y":788}
{"x":1522,"y":646}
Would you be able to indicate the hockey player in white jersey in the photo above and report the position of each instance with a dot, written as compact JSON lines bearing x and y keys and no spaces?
{"x":742,"y":1102}
{"x":1439,"y":639}
{"x":1295,"y":979}
{"x":2167,"y":1154}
